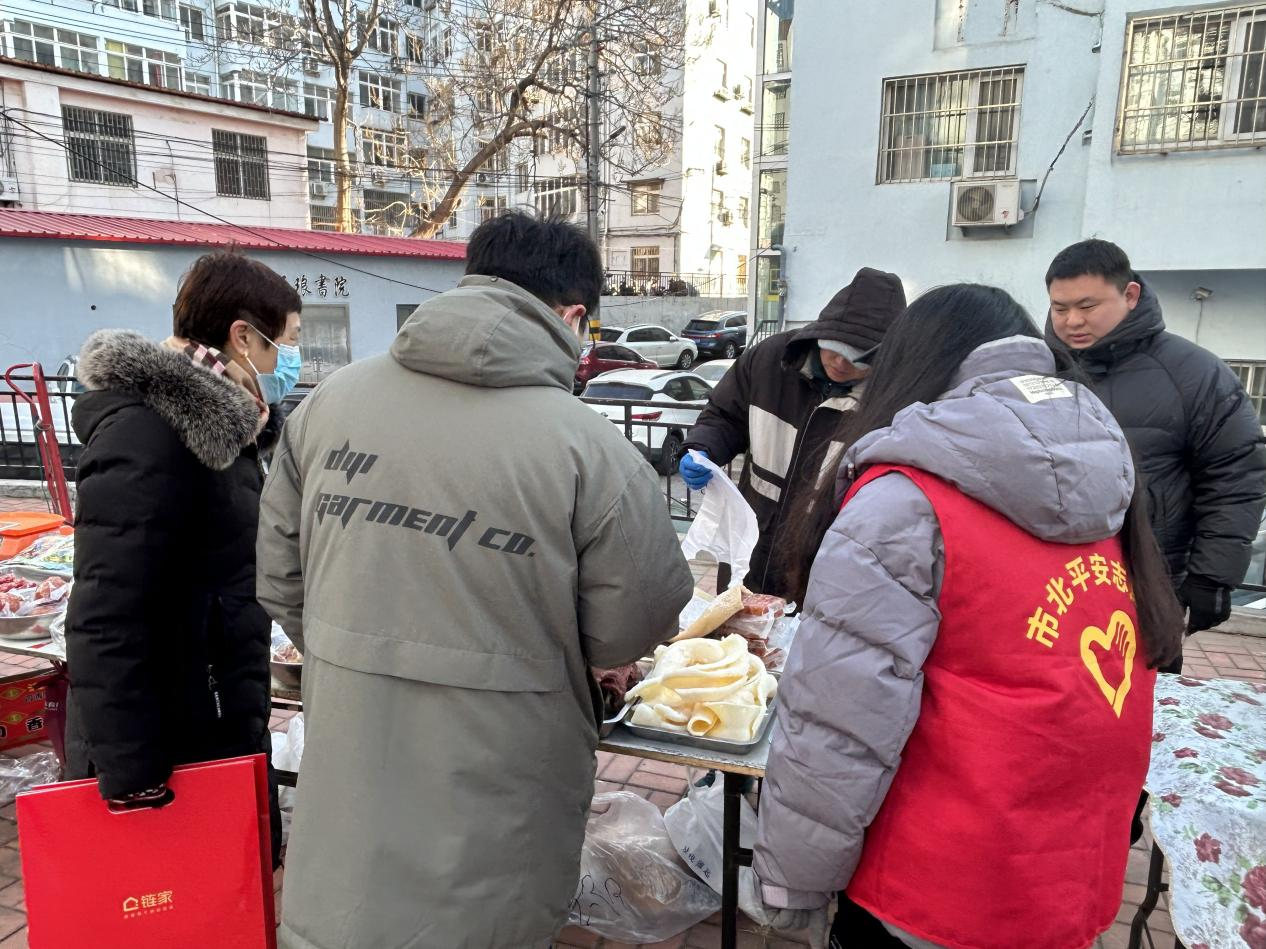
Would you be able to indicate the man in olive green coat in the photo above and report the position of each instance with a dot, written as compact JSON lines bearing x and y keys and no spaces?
{"x":453,"y":540}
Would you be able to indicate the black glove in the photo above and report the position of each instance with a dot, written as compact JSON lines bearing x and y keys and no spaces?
{"x":1208,"y":603}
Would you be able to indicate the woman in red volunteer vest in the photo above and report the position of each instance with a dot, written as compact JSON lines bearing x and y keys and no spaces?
{"x":965,"y":720}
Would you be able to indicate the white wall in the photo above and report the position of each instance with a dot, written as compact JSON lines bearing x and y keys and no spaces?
{"x":171,"y":137}
{"x":1180,"y":213}
{"x":58,"y":292}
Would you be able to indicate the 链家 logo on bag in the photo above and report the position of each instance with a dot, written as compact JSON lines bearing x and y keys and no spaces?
{"x":351,"y":463}
{"x":135,"y":907}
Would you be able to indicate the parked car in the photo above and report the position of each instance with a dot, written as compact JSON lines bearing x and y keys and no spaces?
{"x":654,"y":342}
{"x":674,"y":401}
{"x":608,"y":357}
{"x":719,"y":333}
{"x":1255,"y":575}
{"x":711,"y":372}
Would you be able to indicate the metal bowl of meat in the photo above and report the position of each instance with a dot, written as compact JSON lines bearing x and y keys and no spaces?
{"x":286,"y":664}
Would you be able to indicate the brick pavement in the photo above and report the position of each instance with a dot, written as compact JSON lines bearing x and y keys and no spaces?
{"x":1208,"y":654}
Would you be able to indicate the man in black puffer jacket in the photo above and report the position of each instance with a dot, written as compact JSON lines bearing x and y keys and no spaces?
{"x":1197,"y":440}
{"x":782,"y":403}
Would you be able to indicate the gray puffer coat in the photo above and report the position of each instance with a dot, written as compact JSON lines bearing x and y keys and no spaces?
{"x":1058,"y":468}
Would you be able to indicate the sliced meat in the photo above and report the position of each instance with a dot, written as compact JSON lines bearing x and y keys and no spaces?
{"x":615,"y":684}
{"x":760,"y":604}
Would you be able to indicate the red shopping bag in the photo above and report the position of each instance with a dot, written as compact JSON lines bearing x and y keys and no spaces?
{"x":194,"y":874}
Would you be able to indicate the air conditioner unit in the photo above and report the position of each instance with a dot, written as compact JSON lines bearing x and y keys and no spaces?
{"x":722,"y":93}
{"x":311,"y":66}
{"x":378,"y":177}
{"x":316,"y":189}
{"x":9,"y":189}
{"x":726,"y":218}
{"x":994,"y":203}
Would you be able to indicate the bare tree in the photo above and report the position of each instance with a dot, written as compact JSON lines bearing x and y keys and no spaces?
{"x":515,"y":82}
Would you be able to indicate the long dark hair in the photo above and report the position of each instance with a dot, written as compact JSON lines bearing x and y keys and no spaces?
{"x":920,"y":355}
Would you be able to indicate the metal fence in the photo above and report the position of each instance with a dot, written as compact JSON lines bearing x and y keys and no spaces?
{"x":630,"y":283}
{"x":19,"y":455}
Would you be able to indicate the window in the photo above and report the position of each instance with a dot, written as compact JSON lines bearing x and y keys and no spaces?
{"x":100,"y":146}
{"x":415,"y":49}
{"x":379,"y":92}
{"x":419,"y":104}
{"x":194,"y":22}
{"x":719,"y":150}
{"x":260,"y":89}
{"x":772,"y":210}
{"x":646,"y":59}
{"x":1196,"y":80}
{"x":483,"y":37}
{"x":751,"y":31}
{"x":159,"y":8}
{"x":556,"y":197}
{"x":646,"y":195}
{"x":777,"y":56}
{"x":439,"y":42}
{"x":245,"y":22}
{"x":137,"y":64}
{"x":950,"y":125}
{"x":1253,"y":375}
{"x":696,"y":390}
{"x":775,"y":127}
{"x":718,"y":206}
{"x":723,"y":79}
{"x":744,"y":93}
{"x":403,"y":312}
{"x":642,"y":336}
{"x":388,"y":212}
{"x":744,"y":212}
{"x":324,"y":217}
{"x":645,"y":263}
{"x":649,"y":131}
{"x":53,"y":47}
{"x":321,"y":165}
{"x":385,"y":37}
{"x":490,"y":207}
{"x":741,"y":273}
{"x":384,"y":149}
{"x":745,"y":152}
{"x":485,"y":102}
{"x":241,"y":165}
{"x":326,"y":342}
{"x":318,"y":102}
{"x":523,"y":177}
{"x":197,"y":82}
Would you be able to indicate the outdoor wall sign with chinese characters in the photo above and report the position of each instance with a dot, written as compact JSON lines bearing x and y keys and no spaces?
{"x":322,"y":286}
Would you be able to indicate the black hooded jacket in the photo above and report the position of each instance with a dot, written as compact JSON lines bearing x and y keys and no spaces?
{"x":776,"y":406}
{"x":1195,"y":435}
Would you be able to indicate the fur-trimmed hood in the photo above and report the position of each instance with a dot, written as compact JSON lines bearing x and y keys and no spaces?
{"x":213,"y":417}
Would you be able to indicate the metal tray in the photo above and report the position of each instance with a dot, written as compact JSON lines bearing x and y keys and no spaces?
{"x":711,"y":744}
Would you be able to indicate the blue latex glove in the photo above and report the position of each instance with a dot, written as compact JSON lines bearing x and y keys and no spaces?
{"x":694,"y":474}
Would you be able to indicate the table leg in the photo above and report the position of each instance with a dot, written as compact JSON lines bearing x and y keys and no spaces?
{"x":733,"y":789}
{"x":1155,"y":887}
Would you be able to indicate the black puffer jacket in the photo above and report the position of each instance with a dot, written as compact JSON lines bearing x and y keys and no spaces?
{"x":1195,"y":434}
{"x":166,"y":646}
{"x":777,"y":405}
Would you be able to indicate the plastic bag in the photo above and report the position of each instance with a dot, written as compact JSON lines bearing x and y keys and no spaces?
{"x":633,"y":888}
{"x":287,"y":754}
{"x":725,"y":525}
{"x":22,"y":774}
{"x":696,"y":826}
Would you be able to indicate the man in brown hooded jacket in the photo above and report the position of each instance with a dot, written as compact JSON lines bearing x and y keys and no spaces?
{"x":783,"y":402}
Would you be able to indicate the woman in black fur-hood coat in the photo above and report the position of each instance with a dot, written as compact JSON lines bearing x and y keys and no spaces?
{"x":167,"y":647}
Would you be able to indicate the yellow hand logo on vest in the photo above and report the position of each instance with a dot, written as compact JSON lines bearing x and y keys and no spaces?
{"x":1118,"y":637}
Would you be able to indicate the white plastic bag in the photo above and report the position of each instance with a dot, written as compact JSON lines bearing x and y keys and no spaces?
{"x":30,"y":771}
{"x":696,"y":825}
{"x":725,"y":525}
{"x":287,"y":753}
{"x":633,"y":888}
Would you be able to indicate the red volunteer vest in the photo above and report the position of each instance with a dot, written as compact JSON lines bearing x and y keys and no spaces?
{"x":1008,"y":821}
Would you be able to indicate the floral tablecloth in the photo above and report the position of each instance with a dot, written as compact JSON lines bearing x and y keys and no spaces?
{"x":1208,"y":785}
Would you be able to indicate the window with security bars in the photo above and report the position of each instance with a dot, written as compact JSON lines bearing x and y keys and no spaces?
{"x":388,"y":213}
{"x":324,"y":217}
{"x":950,"y":125}
{"x":100,"y":146}
{"x":556,"y":197}
{"x":241,"y":165}
{"x":1253,"y":375}
{"x":1194,"y":81}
